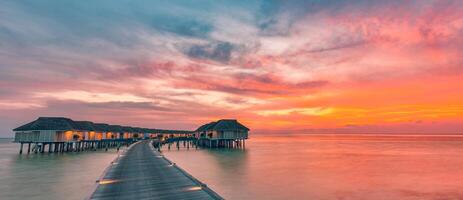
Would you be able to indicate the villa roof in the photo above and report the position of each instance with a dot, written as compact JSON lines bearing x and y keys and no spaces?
{"x":229,"y":124}
{"x":48,"y":123}
{"x":201,"y":128}
{"x":127,"y":129}
{"x":137,"y":129}
{"x":206,"y":127}
{"x":84,"y":125}
{"x":223,"y":124}
{"x":153,"y":130}
{"x":115,"y":128}
{"x":101,"y":127}
{"x":64,"y":124}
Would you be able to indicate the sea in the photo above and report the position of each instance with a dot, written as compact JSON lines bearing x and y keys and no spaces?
{"x":328,"y":166}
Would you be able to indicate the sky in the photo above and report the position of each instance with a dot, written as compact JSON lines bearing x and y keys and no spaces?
{"x":276,"y":66}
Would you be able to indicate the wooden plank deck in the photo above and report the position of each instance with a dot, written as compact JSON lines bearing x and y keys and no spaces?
{"x":143,"y":173}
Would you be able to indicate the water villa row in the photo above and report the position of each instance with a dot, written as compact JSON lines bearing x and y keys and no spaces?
{"x":61,"y":134}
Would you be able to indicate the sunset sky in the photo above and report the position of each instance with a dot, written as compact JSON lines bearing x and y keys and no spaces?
{"x":277,"y":66}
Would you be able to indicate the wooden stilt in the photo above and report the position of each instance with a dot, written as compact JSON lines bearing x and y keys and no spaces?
{"x":35,"y":149}
{"x":42,"y":149}
{"x":21,"y":149}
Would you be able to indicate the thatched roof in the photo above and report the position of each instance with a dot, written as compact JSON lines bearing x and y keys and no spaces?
{"x":127,"y":129}
{"x":206,"y":127}
{"x":115,"y":128}
{"x":229,"y":124}
{"x":137,"y":129}
{"x":84,"y":125}
{"x":101,"y":127}
{"x":48,"y":123}
{"x":66,"y":124}
{"x":223,"y":124}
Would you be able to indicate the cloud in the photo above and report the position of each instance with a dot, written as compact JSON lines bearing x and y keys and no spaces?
{"x":220,"y":51}
{"x":180,"y":63}
{"x":316,"y":111}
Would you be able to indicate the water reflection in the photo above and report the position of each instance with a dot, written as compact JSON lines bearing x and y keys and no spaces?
{"x":332,"y":167}
{"x":49,"y":176}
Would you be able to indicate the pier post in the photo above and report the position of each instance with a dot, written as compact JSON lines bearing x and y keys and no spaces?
{"x":29,"y":148}
{"x":49,"y":147}
{"x":21,"y":149}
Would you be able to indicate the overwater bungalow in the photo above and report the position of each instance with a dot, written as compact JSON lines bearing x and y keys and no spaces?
{"x":202,"y":131}
{"x":224,"y":132}
{"x":128,"y":132}
{"x":85,"y":130}
{"x":101,"y":130}
{"x":63,"y":134}
{"x":47,"y":129}
{"x":115,"y":132}
{"x":223,"y":129}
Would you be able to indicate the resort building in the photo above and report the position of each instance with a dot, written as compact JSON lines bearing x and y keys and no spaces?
{"x":63,"y":134}
{"x":101,"y":130}
{"x":128,"y":132}
{"x":85,"y":130}
{"x":222,"y":133}
{"x":48,"y":129}
{"x":223,"y":129}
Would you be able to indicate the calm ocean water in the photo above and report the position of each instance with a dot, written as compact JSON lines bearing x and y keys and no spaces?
{"x":271,"y":167}
{"x":332,"y":167}
{"x":49,"y":176}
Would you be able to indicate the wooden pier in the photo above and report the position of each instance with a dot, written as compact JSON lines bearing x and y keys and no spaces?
{"x":143,"y":173}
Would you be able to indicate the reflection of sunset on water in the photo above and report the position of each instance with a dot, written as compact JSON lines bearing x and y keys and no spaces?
{"x":332,"y":167}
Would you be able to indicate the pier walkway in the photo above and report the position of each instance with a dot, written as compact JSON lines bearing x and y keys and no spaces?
{"x":143,"y":173}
